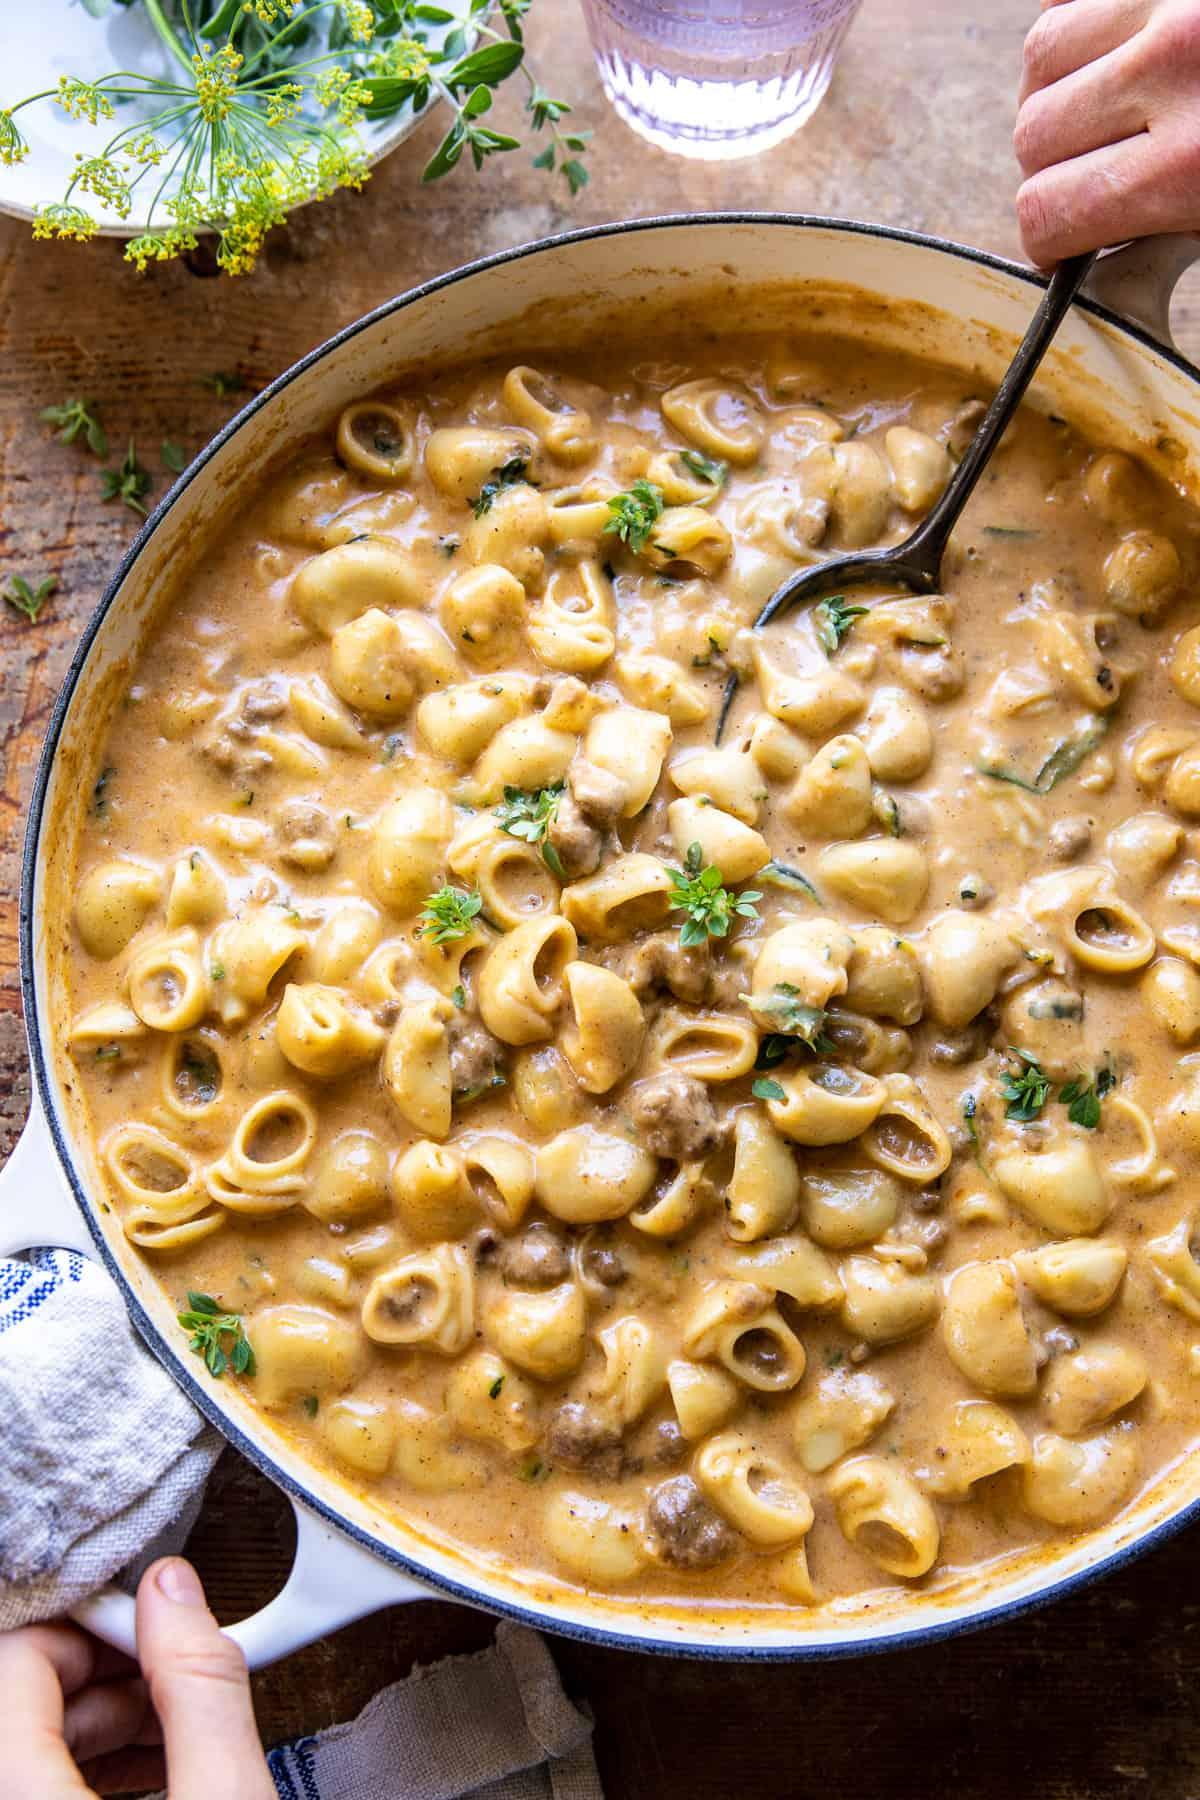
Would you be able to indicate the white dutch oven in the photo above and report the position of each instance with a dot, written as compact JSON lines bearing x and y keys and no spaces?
{"x":934,"y":297}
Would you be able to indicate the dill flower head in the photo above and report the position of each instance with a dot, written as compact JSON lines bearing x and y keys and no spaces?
{"x":243,"y":130}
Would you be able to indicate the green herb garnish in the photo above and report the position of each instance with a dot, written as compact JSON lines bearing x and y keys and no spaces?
{"x":711,"y":907}
{"x":792,"y":1017}
{"x":75,"y":416}
{"x":509,"y":474}
{"x":635,"y":513}
{"x":777,"y":874}
{"x":1010,"y":531}
{"x":533,"y":1469}
{"x":834,"y":621}
{"x":450,"y":914}
{"x":311,"y":1406}
{"x":1082,"y":1097}
{"x":459,"y":997}
{"x":1062,"y":761}
{"x":494,"y":1390}
{"x":766,"y":1089}
{"x":173,"y":456}
{"x":1025,"y":1089}
{"x":30,"y":601}
{"x":127,"y":484}
{"x":705,"y":468}
{"x":210,"y":1327}
{"x":528,"y":813}
{"x":969,"y":1109}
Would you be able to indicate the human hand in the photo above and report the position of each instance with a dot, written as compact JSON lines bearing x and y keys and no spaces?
{"x":1108,"y":126}
{"x":79,"y":1721}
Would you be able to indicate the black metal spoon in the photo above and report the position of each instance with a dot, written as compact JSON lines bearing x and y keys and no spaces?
{"x":917,"y":562}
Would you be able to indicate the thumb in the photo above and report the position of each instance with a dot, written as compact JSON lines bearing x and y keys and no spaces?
{"x":200,"y":1688}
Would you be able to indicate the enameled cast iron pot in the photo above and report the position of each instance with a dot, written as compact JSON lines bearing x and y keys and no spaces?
{"x":935,"y":297}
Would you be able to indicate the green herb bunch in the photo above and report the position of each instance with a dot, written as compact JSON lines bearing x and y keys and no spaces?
{"x":710,"y":906}
{"x":209,"y":1328}
{"x":261,"y":109}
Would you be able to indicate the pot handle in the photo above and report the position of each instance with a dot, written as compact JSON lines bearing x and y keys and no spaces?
{"x":1139,"y":279}
{"x":332,"y":1581}
{"x":37,"y":1207}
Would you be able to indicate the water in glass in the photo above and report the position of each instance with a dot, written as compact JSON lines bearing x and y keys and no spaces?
{"x":717,"y":78}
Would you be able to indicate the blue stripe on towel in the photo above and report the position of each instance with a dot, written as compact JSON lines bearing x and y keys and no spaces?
{"x":288,"y":1760}
{"x":27,"y":1282}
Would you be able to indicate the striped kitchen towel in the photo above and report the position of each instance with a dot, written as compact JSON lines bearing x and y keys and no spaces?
{"x":102,"y":1468}
{"x":102,"y":1459}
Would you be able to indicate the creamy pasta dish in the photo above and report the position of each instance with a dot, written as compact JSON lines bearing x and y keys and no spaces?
{"x":753,"y":1173}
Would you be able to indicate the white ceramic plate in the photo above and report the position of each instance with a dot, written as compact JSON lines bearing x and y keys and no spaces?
{"x":43,"y":39}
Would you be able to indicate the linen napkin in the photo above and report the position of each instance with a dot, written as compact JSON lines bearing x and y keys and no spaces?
{"x":102,"y":1468}
{"x":494,"y":1726}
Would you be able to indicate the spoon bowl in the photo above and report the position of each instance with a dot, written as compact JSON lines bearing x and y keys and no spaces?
{"x":916,"y":563}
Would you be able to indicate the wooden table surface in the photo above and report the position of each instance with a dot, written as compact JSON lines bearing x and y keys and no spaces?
{"x":1092,"y":1697}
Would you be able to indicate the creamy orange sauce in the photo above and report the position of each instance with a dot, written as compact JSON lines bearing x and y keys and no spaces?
{"x":825,"y":1311}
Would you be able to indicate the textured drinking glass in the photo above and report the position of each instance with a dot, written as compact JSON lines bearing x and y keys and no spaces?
{"x":717,"y":78}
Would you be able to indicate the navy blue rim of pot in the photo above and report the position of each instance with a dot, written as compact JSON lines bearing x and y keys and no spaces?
{"x":166,"y":1352}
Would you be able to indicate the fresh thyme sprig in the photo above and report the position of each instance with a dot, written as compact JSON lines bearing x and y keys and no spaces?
{"x":128,"y":483}
{"x":528,"y":814}
{"x":210,"y":1327}
{"x":635,"y":513}
{"x":260,"y":109}
{"x":29,"y":600}
{"x":834,"y":621}
{"x":450,"y":914}
{"x":710,"y":906}
{"x":75,"y":416}
{"x":1025,"y":1088}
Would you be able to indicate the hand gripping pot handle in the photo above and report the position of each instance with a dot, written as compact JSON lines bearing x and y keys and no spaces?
{"x":1138,"y":279}
{"x":332,"y":1581}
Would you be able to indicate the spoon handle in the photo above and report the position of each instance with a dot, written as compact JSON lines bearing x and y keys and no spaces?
{"x":927,"y":545}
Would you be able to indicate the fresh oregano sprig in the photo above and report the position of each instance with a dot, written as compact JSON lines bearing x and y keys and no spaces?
{"x":450,"y":914}
{"x":29,"y":600}
{"x":635,"y":513}
{"x":210,"y":1327}
{"x":528,"y":814}
{"x":710,"y":906}
{"x":76,"y":416}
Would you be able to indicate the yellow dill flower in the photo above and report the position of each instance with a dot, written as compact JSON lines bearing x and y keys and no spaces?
{"x":404,"y":60}
{"x":101,"y":176}
{"x":83,"y":100}
{"x":64,"y":221}
{"x":145,"y":149}
{"x":216,"y":82}
{"x":159,"y":246}
{"x":283,"y":102}
{"x":13,"y":148}
{"x":270,"y":11}
{"x":360,"y":22}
